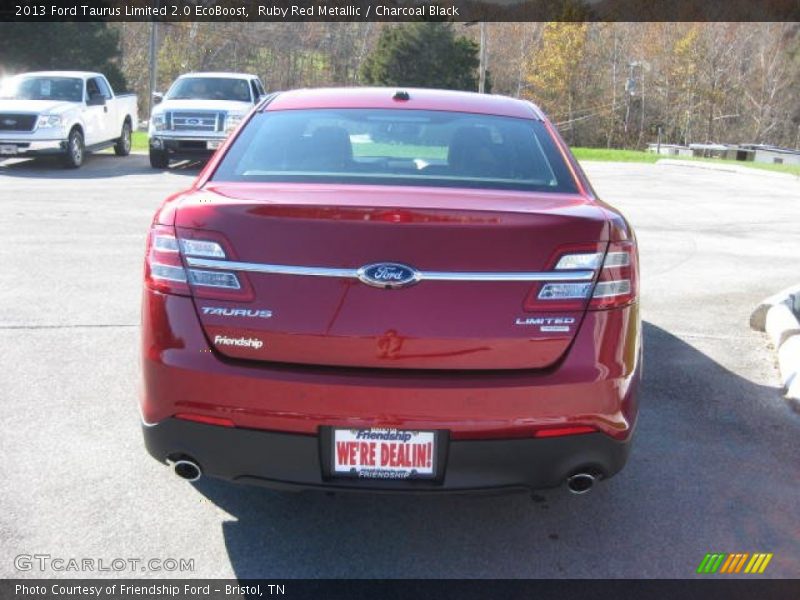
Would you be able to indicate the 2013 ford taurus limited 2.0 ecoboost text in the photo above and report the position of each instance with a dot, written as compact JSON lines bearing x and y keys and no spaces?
{"x":386,"y":290}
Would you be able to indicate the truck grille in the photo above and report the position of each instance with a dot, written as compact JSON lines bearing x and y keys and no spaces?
{"x":196,"y":121}
{"x":17,"y":122}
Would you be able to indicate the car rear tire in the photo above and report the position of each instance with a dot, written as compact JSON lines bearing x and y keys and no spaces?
{"x":76,"y":150}
{"x":123,"y":145}
{"x":159,"y":159}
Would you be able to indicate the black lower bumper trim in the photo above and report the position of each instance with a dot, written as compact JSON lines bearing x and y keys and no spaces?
{"x":186,"y":148}
{"x":293,"y":461}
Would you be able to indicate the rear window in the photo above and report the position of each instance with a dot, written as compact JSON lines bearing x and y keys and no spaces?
{"x":396,"y":147}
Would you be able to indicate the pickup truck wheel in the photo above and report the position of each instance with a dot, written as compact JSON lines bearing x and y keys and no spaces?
{"x":159,"y":159}
{"x":73,"y":158}
{"x":123,"y":145}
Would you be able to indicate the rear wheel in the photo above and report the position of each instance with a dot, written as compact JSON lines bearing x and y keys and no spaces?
{"x":159,"y":159}
{"x":123,"y":145}
{"x":73,"y":158}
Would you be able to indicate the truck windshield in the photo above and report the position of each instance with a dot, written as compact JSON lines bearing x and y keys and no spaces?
{"x":397,"y":147}
{"x":66,"y":89}
{"x":210,"y":88}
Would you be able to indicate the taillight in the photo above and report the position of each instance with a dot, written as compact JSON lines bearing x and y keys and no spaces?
{"x":163,"y":268}
{"x":617,"y":284}
{"x":576,"y":268}
{"x":166,"y":272}
{"x":218,"y":284}
{"x":604,"y":279}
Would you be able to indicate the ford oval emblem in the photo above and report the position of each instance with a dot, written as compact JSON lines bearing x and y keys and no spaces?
{"x":388,"y":275}
{"x":193,"y":121}
{"x":9,"y":122}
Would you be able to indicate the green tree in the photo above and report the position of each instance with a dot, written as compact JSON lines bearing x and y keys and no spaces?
{"x":62,"y":46}
{"x":423,"y":54}
{"x":556,"y":70}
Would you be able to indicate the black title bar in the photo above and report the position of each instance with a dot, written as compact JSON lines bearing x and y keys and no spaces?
{"x":399,"y":10}
{"x":327,"y":589}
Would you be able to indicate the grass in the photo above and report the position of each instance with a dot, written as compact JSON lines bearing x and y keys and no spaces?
{"x":139,"y":141}
{"x":612,"y":155}
{"x":400,"y":151}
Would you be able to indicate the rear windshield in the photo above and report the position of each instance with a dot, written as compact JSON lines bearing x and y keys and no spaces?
{"x":396,"y":147}
{"x":210,"y":88}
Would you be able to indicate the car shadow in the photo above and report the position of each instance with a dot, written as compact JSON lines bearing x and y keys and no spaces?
{"x":95,"y":166}
{"x":698,"y":454}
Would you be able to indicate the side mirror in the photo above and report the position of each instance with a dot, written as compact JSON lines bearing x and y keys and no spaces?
{"x":158,"y":97}
{"x":96,"y":100}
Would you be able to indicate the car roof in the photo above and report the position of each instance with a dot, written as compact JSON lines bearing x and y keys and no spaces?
{"x":418,"y":99}
{"x":221,"y":75}
{"x":81,"y":74}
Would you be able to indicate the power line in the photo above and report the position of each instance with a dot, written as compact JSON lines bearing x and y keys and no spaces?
{"x":561,"y":124}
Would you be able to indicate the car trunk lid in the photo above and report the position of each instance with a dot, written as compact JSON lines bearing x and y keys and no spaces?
{"x":300,"y":252}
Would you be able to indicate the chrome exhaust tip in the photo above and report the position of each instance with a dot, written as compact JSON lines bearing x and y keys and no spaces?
{"x":187,"y":469}
{"x":580,"y":483}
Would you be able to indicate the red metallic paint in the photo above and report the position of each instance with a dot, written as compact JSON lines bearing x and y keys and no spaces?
{"x":489,"y":379}
{"x":420,"y":99}
{"x":434,"y":325}
{"x":593,"y":385}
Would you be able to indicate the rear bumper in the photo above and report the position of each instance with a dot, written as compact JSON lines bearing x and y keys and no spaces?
{"x":294,"y":462}
{"x":489,"y":417}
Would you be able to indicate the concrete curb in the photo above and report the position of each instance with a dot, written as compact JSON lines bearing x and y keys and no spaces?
{"x":710,"y":166}
{"x":777,"y":316}
{"x":758,"y":320}
{"x":781,"y":324}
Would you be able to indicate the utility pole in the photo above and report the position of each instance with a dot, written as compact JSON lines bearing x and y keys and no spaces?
{"x":630,"y":91}
{"x":153,"y":62}
{"x":641,"y":105}
{"x":658,"y":147}
{"x":481,"y":54}
{"x":634,"y":88}
{"x":482,"y":68}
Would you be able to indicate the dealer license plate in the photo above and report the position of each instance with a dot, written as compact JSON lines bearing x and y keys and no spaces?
{"x":213,"y":145}
{"x":384,"y":454}
{"x":8,"y":150}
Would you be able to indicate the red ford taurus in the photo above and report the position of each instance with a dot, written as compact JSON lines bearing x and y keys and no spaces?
{"x":387,"y":290}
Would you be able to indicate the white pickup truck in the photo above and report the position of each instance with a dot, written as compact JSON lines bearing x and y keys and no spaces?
{"x":64,"y":113}
{"x":198,"y":112}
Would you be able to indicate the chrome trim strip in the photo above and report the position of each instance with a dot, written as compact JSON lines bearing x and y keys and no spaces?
{"x":510,"y":276}
{"x":229,"y":265}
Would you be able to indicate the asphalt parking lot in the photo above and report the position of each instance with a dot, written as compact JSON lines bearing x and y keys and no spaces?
{"x":714,"y":469}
